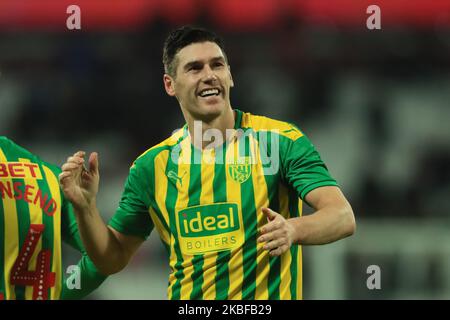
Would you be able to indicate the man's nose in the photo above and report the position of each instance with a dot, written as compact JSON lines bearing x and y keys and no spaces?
{"x":209,"y":75}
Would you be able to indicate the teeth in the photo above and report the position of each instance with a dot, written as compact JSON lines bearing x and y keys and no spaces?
{"x":209,"y":92}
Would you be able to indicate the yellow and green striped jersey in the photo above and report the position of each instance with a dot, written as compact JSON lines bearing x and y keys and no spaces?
{"x":206,"y":206}
{"x":34,"y":217}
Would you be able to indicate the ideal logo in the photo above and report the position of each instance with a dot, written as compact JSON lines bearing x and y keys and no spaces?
{"x":208,"y":220}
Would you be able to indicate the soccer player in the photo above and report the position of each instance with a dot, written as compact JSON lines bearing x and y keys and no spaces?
{"x":224,"y":192}
{"x":34,"y":217}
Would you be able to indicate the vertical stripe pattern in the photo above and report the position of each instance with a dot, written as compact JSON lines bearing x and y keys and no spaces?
{"x":30,"y":195}
{"x":11,"y":236}
{"x":222,"y":279}
{"x":206,"y":197}
{"x":35,"y":218}
{"x":56,"y":266}
{"x":187,"y":193}
{"x":235,"y":265}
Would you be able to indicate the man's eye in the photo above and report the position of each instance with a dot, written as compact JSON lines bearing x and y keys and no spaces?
{"x":218,"y":64}
{"x":194,"y":68}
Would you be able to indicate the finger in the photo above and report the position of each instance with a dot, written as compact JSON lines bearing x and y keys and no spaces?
{"x":270,"y":214}
{"x":270,"y":236}
{"x":271,"y":226}
{"x":63,"y":175}
{"x":274,"y":244}
{"x":93,"y":163}
{"x":79,"y":154}
{"x":74,"y":159}
{"x":280,"y":250}
{"x":277,"y":252}
{"x":70,"y":166}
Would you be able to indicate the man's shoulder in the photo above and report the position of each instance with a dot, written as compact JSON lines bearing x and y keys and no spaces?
{"x":11,"y":148}
{"x":9,"y":145}
{"x":4,"y":140}
{"x":263,"y":123}
{"x":148,"y":156}
{"x":16,"y":151}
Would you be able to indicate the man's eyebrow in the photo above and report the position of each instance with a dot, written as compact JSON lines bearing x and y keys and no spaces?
{"x":194,"y":62}
{"x":191,"y":63}
{"x":219,"y":58}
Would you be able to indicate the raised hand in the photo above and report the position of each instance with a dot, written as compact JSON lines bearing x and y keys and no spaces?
{"x":80,"y":185}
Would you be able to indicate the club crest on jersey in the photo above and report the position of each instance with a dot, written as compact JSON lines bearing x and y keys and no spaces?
{"x":240,"y":170}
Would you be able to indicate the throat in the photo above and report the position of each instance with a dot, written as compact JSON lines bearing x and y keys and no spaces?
{"x":211,"y":134}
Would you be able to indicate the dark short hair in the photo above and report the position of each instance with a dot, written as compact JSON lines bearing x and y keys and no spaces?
{"x":182,"y":37}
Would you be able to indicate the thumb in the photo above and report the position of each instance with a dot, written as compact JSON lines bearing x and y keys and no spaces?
{"x":93,"y":163}
{"x":270,"y":214}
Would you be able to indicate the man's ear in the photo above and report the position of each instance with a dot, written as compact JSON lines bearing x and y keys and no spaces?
{"x":169,"y":85}
{"x":231,"y":77}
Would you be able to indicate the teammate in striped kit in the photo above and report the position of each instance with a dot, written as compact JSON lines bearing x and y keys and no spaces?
{"x":224,"y":193}
{"x":34,"y":217}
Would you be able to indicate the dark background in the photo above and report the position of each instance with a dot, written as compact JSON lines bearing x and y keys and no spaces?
{"x":376,"y":104}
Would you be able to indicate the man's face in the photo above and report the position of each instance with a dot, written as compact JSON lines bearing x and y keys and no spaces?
{"x":202,"y":81}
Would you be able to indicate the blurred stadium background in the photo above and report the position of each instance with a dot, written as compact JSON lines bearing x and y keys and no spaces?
{"x":376,"y":103}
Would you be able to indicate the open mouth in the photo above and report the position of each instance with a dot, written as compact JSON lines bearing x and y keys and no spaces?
{"x":209,"y":92}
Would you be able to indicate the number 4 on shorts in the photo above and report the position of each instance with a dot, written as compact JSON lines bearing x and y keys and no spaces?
{"x":42,"y":278}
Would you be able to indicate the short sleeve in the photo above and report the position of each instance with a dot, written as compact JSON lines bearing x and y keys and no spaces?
{"x":69,"y":227}
{"x":302,"y":167}
{"x":132,"y":217}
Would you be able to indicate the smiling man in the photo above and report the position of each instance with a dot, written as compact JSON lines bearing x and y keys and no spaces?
{"x":224,"y":193}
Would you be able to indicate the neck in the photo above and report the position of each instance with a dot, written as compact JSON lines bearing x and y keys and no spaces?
{"x":212,"y":133}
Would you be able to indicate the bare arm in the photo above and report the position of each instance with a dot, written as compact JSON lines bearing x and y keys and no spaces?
{"x":332,"y":220}
{"x":109,"y":249}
